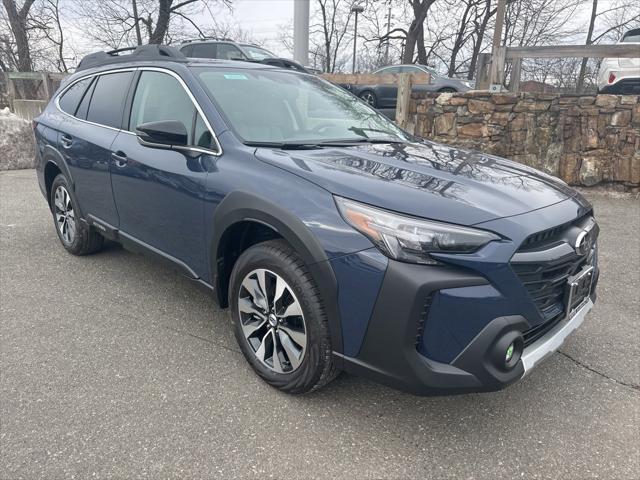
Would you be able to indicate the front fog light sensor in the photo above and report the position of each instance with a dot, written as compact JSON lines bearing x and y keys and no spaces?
{"x":509,"y":355}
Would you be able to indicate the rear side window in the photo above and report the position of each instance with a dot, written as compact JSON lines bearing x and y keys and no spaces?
{"x":71,"y":98}
{"x":107,"y":101}
{"x":83,"y":108}
{"x":203,"y":50}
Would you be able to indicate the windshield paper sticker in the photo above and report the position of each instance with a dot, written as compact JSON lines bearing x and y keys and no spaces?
{"x":235,"y":76}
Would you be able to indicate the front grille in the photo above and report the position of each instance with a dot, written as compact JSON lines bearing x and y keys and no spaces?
{"x":546,"y":237}
{"x":546,"y":281}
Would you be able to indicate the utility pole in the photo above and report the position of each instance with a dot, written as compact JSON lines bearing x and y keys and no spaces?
{"x":496,"y":73}
{"x":301,"y":31}
{"x":497,"y":33}
{"x":356,"y":9}
{"x":386,"y":48}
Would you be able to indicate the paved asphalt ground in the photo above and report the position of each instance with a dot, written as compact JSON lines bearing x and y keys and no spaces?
{"x":113,"y":366}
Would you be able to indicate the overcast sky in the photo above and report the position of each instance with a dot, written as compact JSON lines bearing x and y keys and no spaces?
{"x":263,"y":18}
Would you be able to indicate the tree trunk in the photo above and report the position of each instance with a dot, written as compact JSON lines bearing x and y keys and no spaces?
{"x":420,"y":9}
{"x":162,"y":24}
{"x":583,"y":65}
{"x":480,"y":37}
{"x":18,"y":23}
{"x":422,"y":51}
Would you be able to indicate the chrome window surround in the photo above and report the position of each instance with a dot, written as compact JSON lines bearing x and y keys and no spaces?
{"x":217,"y":152}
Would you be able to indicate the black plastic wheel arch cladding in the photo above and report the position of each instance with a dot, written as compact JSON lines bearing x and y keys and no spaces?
{"x":245,"y":207}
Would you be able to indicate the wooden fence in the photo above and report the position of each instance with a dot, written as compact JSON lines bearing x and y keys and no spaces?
{"x":29,"y":92}
{"x":403,"y":80}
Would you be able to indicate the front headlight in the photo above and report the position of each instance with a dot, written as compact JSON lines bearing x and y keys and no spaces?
{"x":410,"y":239}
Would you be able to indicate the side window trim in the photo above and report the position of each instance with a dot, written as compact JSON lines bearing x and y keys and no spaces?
{"x":218,"y":151}
{"x":91,"y":87}
{"x":127,"y":107}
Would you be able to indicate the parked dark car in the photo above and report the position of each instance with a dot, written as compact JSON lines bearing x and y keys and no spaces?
{"x":227,"y":49}
{"x":385,"y":95}
{"x":338,"y":241}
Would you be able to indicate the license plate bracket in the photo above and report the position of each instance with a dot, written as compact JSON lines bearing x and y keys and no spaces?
{"x":578,"y":290}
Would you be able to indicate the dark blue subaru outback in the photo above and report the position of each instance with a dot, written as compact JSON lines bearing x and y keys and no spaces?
{"x":337,"y":240}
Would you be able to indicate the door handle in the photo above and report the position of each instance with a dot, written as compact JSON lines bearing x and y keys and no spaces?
{"x":66,"y":141}
{"x":120,"y":159}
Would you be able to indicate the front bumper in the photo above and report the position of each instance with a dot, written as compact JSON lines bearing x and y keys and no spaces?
{"x":390,"y":352}
{"x":552,"y":340}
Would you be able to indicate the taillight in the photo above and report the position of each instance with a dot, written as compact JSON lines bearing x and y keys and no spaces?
{"x":612,"y":77}
{"x":34,"y":124}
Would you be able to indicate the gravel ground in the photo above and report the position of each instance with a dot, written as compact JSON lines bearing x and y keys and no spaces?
{"x":113,"y":366}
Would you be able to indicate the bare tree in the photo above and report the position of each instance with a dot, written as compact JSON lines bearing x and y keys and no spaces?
{"x":118,"y":23}
{"x":17,"y":16}
{"x":415,"y":31}
{"x":330,"y":30}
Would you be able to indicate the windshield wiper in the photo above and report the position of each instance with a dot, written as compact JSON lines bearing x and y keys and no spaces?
{"x":350,"y":142}
{"x":361,"y":131}
{"x":284,"y":145}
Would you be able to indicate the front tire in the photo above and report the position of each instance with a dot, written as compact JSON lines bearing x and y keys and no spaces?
{"x":76,"y":236}
{"x":279,"y":320}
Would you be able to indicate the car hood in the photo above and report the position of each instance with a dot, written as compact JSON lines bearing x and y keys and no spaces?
{"x":425,"y":179}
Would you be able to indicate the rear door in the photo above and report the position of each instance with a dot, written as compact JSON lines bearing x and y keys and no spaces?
{"x":85,"y":136}
{"x":159,"y":192}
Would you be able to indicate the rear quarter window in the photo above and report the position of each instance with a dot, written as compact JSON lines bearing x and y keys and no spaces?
{"x":71,"y":98}
{"x":107,"y":101}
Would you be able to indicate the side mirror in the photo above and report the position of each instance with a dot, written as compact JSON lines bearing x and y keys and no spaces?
{"x":163,"y":134}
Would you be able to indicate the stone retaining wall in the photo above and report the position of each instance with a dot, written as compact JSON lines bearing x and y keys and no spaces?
{"x":583,"y":139}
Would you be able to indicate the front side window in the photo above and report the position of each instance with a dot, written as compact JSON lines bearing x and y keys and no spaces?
{"x":160,"y":97}
{"x":284,"y":106}
{"x":226,"y":51}
{"x":71,"y":98}
{"x":256,"y":53}
{"x":107,"y":101}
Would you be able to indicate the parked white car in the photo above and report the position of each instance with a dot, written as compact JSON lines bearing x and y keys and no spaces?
{"x":621,"y":75}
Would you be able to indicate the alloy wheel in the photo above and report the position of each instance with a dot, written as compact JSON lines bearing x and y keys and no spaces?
{"x":272,"y":321}
{"x":65,"y":216}
{"x":368,"y":98}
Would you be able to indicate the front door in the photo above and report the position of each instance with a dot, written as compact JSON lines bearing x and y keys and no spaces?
{"x":159,"y":192}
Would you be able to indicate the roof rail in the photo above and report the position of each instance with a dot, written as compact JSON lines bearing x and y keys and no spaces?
{"x":203,"y":39}
{"x":142,"y":52}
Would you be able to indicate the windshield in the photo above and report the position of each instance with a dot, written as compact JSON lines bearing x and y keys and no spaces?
{"x":632,"y":37}
{"x":273,"y":106}
{"x":256,"y":53}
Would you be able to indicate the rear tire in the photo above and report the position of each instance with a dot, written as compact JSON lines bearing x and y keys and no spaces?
{"x":75,"y":235}
{"x":370,"y":98}
{"x":279,"y":319}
